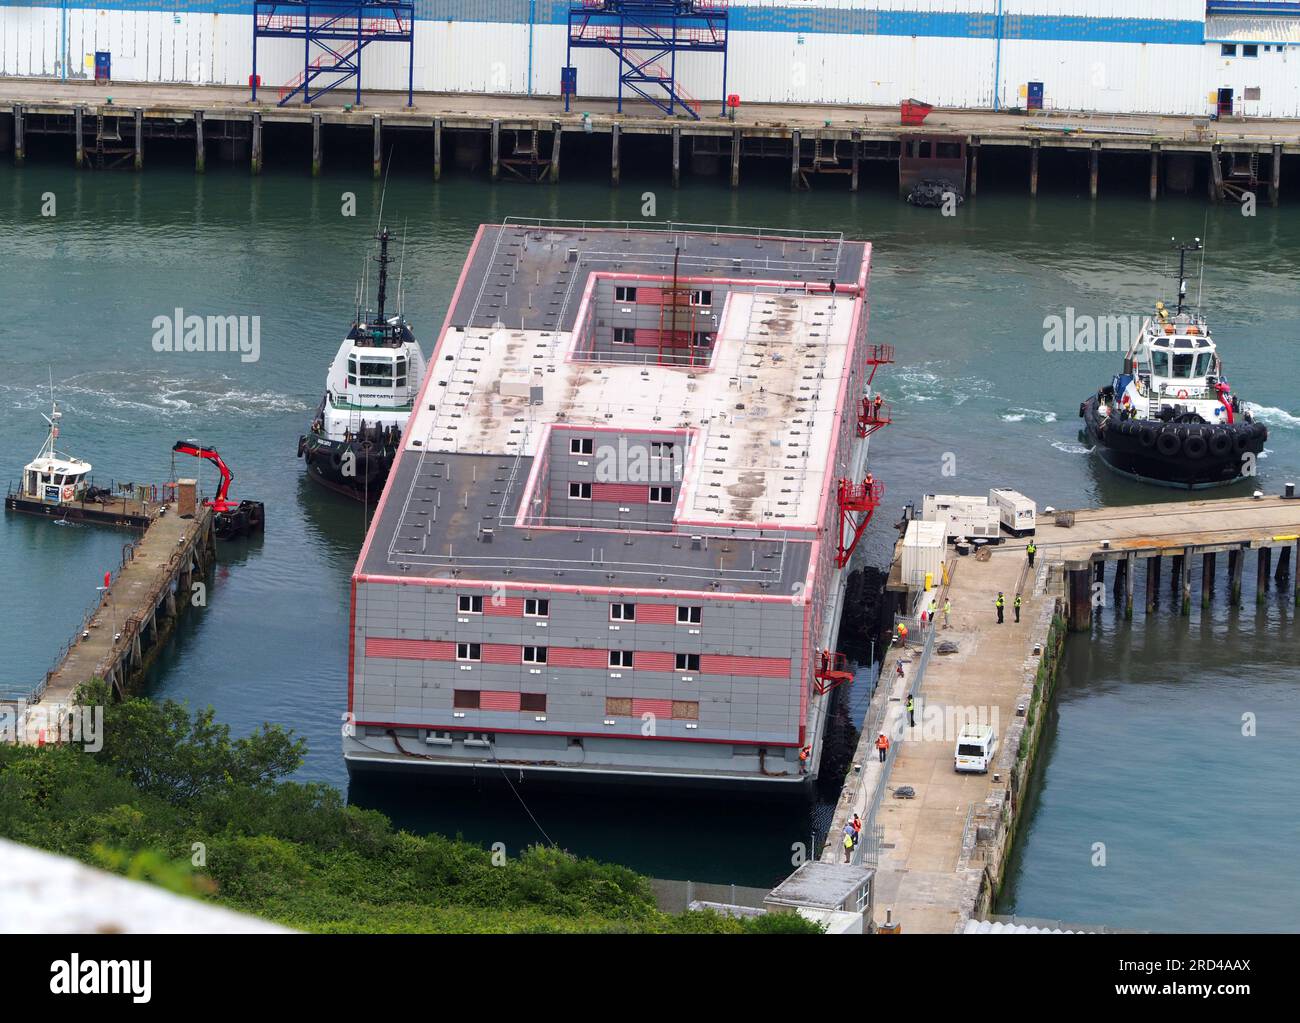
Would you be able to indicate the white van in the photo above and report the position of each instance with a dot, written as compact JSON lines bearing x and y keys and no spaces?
{"x":976,"y":747}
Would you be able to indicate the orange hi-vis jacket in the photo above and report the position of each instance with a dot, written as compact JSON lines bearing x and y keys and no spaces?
{"x":882,"y":742}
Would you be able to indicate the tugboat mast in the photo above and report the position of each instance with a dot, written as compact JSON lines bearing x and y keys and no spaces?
{"x":1193,"y":246}
{"x":383,"y":259}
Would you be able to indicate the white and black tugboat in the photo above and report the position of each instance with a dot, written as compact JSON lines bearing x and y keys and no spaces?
{"x":370,"y":392}
{"x":1169,"y":417}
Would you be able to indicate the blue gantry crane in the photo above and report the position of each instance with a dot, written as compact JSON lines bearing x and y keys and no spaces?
{"x":333,"y":35}
{"x":646,"y":36}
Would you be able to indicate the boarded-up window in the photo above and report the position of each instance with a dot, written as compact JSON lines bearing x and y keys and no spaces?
{"x":466,"y":699}
{"x":618,"y":706}
{"x":1252,"y":92}
{"x":532,"y":701}
{"x":687,"y":710}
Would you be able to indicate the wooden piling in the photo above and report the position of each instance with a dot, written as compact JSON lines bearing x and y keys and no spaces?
{"x":974,"y":167}
{"x":1094,"y":169}
{"x":1186,"y":606}
{"x":1080,"y":604}
{"x":20,"y":146}
{"x":1236,"y":560}
{"x":1283,"y":571}
{"x":856,"y":144}
{"x":614,"y":174}
{"x":255,"y":147}
{"x":796,"y":142}
{"x":1035,"y":148}
{"x":1216,"y":174}
{"x":1176,"y":573}
{"x":1155,"y":171}
{"x":317,"y":146}
{"x":1130,"y":569}
{"x":1207,"y":577}
{"x":735,"y":158}
{"x":677,"y":156}
{"x":1275,"y":186}
{"x":1262,"y":564}
{"x":139,"y":139}
{"x":200,"y":157}
{"x":555,"y":151}
{"x":79,"y":148}
{"x":378,"y":158}
{"x":437,"y":149}
{"x":1153,"y":583}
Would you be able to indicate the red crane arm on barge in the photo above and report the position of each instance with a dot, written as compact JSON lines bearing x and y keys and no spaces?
{"x":221,"y":502}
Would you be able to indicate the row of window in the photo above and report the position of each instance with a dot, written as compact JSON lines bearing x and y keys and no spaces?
{"x":682,"y":710}
{"x":540,"y":607}
{"x":615,"y":706}
{"x":377,"y":373}
{"x":699,"y":296}
{"x":1247,"y":49}
{"x":687,"y":614}
{"x":658,"y":495}
{"x":627,"y":336}
{"x":538,"y":655}
{"x":586,"y":446}
{"x":468,"y":699}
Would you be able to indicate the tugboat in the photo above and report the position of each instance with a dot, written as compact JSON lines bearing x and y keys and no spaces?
{"x":370,"y":393}
{"x":1169,"y":416}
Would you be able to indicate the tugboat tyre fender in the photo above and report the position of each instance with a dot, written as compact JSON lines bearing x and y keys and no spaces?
{"x":1220,"y":443}
{"x":1195,"y":446}
{"x":1147,"y":436}
{"x":302,"y":445}
{"x":1168,"y":443}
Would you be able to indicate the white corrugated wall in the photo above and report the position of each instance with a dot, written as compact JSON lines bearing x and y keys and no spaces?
{"x":764,"y":66}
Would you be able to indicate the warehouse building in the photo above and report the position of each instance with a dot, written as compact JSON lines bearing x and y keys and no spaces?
{"x":1185,"y":57}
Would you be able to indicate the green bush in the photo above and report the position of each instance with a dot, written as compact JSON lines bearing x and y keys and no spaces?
{"x":173,"y":800}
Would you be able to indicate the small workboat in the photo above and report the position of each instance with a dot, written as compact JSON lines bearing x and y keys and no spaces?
{"x":1169,"y":417}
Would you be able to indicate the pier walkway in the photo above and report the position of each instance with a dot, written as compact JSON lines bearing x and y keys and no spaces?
{"x":120,"y":635}
{"x":940,"y":853}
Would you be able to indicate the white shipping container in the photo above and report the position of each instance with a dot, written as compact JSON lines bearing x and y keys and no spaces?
{"x":1017,"y":513}
{"x":924,"y":546}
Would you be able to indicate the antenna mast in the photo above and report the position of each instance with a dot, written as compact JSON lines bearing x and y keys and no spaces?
{"x":1183,"y":249}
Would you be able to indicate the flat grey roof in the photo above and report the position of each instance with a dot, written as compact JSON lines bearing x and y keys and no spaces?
{"x":820,"y":885}
{"x":531,"y":276}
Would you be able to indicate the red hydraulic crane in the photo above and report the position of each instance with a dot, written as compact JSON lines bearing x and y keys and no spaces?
{"x":233,"y":518}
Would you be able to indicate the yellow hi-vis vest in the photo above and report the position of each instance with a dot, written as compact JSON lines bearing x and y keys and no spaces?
{"x":999,"y":602}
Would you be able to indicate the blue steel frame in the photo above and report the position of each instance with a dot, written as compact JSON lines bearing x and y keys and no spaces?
{"x":339,"y":28}
{"x":656,"y":28}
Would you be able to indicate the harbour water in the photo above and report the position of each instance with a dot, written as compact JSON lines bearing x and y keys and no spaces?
{"x":1143,"y":751}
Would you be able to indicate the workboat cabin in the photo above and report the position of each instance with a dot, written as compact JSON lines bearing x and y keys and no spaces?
{"x":55,"y":480}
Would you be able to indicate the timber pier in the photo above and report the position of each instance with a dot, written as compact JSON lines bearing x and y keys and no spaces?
{"x":939,"y":841}
{"x":123,"y":631}
{"x":522,"y":138}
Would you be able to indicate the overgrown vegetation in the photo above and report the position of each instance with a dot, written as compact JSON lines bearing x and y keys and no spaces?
{"x":172,"y":799}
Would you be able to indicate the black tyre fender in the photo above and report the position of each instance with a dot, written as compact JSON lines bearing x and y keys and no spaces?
{"x":1195,"y":446}
{"x":1168,"y":443}
{"x":1220,"y":443}
{"x":1147,"y":436}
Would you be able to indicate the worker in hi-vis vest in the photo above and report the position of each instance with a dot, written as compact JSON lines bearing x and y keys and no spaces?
{"x":1016,"y":607}
{"x":1000,"y":603}
{"x":1031,"y":550}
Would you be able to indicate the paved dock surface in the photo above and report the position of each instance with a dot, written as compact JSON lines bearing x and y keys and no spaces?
{"x":1059,"y":129}
{"x":937,"y":848}
{"x":919,"y":876}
